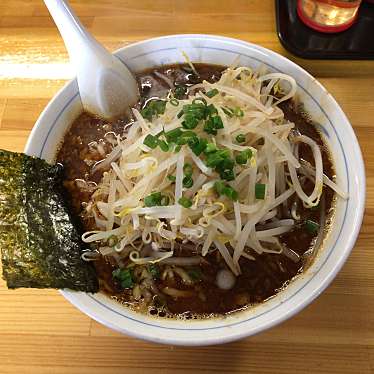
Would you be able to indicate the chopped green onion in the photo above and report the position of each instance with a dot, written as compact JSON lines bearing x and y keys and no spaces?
{"x":187,"y":134}
{"x":180,"y":92}
{"x":195,"y":274}
{"x":187,"y":181}
{"x":228,"y":112}
{"x":173,"y":135}
{"x":187,"y":169}
{"x":213,"y":159}
{"x":154,"y":270}
{"x":209,"y":128}
{"x":228,"y":175}
{"x":213,"y":124}
{"x":171,"y":178}
{"x":210,"y":147}
{"x":153,"y":199}
{"x":224,"y":153}
{"x":112,"y":240}
{"x":186,"y":137}
{"x":124,"y":277}
{"x":238,"y":112}
{"x":212,"y":93}
{"x":153,"y":108}
{"x":231,"y":193}
{"x":227,"y":162}
{"x":211,"y":109}
{"x":151,"y":141}
{"x":190,"y":121}
{"x":311,"y":226}
{"x":217,"y":121}
{"x":224,"y":189}
{"x":193,"y":141}
{"x":177,"y":148}
{"x":222,"y":163}
{"x":163,"y":145}
{"x":243,"y":157}
{"x":260,"y":190}
{"x":127,"y":283}
{"x":185,"y":202}
{"x":197,"y":110}
{"x":240,"y":138}
{"x":219,"y":186}
{"x":156,"y":199}
{"x":174,"y":102}
{"x":164,"y":200}
{"x":199,"y":100}
{"x":198,"y":147}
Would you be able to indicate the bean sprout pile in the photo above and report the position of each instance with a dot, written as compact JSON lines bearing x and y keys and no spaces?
{"x":212,"y":169}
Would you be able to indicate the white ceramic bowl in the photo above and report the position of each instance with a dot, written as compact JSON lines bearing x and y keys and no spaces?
{"x":65,"y":106}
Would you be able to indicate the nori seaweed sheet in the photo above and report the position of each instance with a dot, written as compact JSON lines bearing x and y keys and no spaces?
{"x":40,"y":245}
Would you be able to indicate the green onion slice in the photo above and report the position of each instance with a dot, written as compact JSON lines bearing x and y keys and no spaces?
{"x":212,"y":93}
{"x":231,"y":193}
{"x":185,"y":202}
{"x":187,"y":169}
{"x":187,"y":181}
{"x":198,"y":147}
{"x":229,"y":112}
{"x":125,"y":277}
{"x":153,"y":108}
{"x":238,"y":112}
{"x":151,"y":141}
{"x":199,"y":100}
{"x":242,"y":157}
{"x":173,"y":135}
{"x":180,"y":91}
{"x":226,"y":190}
{"x":153,"y":199}
{"x":210,"y":147}
{"x":311,"y":227}
{"x":260,"y":190}
{"x":240,"y":138}
{"x":163,"y":145}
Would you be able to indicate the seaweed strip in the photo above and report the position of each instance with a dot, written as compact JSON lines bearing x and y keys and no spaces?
{"x":40,"y":246}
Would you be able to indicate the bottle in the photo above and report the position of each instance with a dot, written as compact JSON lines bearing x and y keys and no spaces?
{"x":328,"y":15}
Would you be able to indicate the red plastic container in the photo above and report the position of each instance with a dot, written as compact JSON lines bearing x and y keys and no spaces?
{"x":328,"y":16}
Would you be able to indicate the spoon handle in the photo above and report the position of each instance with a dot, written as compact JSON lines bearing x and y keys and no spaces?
{"x":107,"y":88}
{"x":71,"y":29}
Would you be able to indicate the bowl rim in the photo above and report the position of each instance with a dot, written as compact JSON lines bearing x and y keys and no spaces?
{"x":359,"y":174}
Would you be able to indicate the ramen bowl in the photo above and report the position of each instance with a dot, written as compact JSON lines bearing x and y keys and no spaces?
{"x":338,"y":133}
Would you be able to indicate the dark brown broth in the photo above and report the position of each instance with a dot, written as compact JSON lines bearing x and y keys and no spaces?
{"x":260,"y":279}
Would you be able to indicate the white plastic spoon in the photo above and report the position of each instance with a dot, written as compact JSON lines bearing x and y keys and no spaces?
{"x":107,"y":88}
